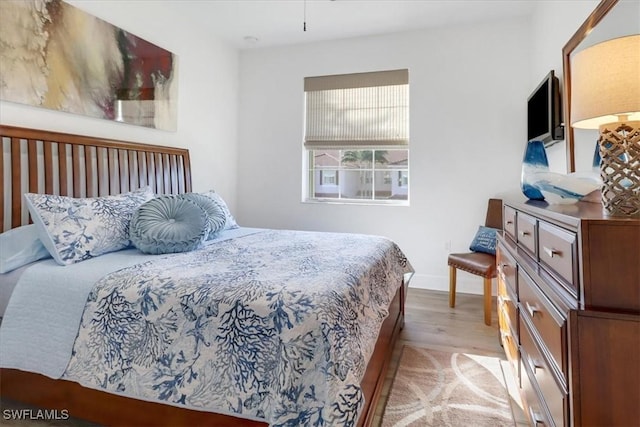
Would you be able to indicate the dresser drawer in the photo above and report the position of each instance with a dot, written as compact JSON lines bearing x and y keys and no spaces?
{"x":558,"y":250}
{"x":510,"y":346}
{"x":526,"y":228}
{"x":534,"y":408}
{"x":549,"y":323}
{"x":553,"y":396}
{"x":509,"y":221}
{"x":508,"y":306}
{"x":506,"y":266}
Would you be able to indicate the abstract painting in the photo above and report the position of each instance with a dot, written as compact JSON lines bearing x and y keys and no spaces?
{"x":54,"y":55}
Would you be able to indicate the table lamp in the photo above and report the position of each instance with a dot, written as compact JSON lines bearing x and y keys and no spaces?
{"x":605,"y":95}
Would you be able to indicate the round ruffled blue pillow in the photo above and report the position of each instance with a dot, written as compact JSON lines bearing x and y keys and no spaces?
{"x":216,"y":217}
{"x":168,"y":224}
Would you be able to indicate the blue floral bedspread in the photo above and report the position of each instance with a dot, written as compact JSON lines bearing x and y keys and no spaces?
{"x":277,"y":325}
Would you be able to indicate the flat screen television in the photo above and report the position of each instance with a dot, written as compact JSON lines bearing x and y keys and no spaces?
{"x":544,"y":111}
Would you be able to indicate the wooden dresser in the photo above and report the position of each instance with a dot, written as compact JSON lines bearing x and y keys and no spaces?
{"x":569,"y":312}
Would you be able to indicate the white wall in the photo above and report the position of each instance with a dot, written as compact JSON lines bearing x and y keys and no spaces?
{"x":468,"y":87}
{"x":207,"y":97}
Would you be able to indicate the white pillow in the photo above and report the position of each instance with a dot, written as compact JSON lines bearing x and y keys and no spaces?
{"x":20,"y":246}
{"x":74,"y":230}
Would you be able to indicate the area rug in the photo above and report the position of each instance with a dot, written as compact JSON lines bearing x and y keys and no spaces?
{"x":438,"y":388}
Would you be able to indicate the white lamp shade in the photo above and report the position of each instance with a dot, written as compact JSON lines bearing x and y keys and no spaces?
{"x":605,"y":83}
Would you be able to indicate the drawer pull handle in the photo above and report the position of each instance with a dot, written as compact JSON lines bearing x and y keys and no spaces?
{"x":531,"y":309}
{"x":525,"y":233}
{"x":509,"y":222}
{"x":501,"y":270}
{"x":535,"y":417}
{"x":533,"y":365}
{"x":551,"y":252}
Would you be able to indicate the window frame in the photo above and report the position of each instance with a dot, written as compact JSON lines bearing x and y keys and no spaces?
{"x":335,"y":109}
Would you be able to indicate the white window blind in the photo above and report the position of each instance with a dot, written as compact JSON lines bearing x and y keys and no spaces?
{"x":357,"y":110}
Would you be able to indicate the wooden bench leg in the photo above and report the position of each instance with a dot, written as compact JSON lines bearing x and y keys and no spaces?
{"x":487,"y":301}
{"x":452,"y":286}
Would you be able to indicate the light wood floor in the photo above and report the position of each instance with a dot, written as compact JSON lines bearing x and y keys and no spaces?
{"x":430,"y":322}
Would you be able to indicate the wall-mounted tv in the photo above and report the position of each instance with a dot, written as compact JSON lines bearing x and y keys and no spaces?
{"x":544,"y":112}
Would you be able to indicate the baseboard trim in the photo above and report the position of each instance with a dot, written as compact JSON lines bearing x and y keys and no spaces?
{"x":465,"y":284}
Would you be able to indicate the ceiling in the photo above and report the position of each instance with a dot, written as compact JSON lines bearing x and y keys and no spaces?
{"x":280,"y":22}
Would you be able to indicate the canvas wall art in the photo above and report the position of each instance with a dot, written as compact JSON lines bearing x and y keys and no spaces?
{"x":54,"y":55}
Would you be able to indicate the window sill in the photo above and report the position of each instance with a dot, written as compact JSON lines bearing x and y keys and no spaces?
{"x":404,"y":203}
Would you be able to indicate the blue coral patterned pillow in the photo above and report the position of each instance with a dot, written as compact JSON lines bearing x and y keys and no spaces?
{"x":76,"y":229}
{"x":485,"y":240}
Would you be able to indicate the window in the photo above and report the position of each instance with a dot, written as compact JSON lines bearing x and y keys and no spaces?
{"x":328,"y":177}
{"x":403,"y":179}
{"x":357,"y":137}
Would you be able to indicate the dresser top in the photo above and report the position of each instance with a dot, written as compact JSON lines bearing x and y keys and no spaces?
{"x":570,"y":214}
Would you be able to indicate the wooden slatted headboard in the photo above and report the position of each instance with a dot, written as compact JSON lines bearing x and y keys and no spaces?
{"x":39,"y":161}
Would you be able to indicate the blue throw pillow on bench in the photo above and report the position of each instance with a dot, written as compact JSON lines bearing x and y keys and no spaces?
{"x":485,"y":240}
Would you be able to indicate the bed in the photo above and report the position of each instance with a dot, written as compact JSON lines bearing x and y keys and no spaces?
{"x":54,"y":163}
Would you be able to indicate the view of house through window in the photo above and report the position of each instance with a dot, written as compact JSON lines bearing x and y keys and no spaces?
{"x":357,"y":137}
{"x":359,"y":174}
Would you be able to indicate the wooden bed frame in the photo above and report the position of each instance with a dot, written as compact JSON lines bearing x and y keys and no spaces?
{"x":81,"y":166}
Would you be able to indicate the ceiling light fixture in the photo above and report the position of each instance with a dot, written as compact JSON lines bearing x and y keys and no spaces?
{"x":304,"y":14}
